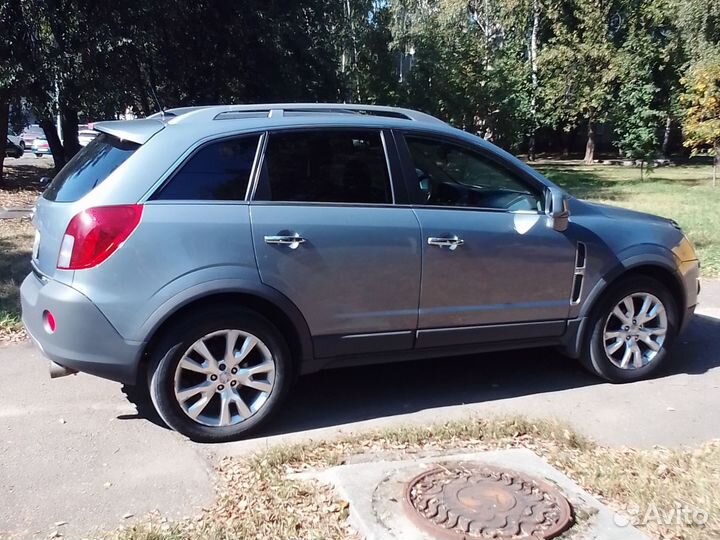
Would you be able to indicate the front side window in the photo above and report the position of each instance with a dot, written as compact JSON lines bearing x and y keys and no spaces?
{"x":450,"y":175}
{"x":219,"y":171}
{"x":329,"y":166}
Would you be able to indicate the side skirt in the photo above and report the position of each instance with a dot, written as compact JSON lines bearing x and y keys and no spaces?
{"x":367,"y":349}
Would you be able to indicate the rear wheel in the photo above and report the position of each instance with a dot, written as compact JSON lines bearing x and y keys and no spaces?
{"x":631,"y":331}
{"x":220,"y":374}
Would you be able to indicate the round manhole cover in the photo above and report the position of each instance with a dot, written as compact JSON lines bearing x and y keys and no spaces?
{"x":466,"y":502}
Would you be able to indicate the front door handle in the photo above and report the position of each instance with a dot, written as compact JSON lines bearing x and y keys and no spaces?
{"x":451,"y":242}
{"x":292,"y":241}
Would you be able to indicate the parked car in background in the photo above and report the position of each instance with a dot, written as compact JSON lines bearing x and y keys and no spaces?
{"x":211,"y":254}
{"x":40,"y":146}
{"x":13,"y":150}
{"x":16,"y":139}
{"x":86,"y":135}
{"x":30,"y":133}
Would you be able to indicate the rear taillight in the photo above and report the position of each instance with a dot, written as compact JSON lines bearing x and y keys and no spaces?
{"x":95,"y":234}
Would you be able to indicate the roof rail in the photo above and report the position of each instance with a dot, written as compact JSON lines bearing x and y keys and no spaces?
{"x":220,"y":112}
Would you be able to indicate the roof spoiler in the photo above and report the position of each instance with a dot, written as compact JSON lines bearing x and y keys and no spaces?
{"x":137,"y":131}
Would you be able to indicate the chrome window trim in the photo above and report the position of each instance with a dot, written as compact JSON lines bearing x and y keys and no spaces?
{"x":389,"y":168}
{"x":257,"y":166}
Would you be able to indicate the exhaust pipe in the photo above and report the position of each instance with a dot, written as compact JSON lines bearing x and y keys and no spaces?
{"x":56,"y":370}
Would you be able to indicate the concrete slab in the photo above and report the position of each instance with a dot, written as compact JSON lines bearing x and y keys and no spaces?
{"x":375,"y":491}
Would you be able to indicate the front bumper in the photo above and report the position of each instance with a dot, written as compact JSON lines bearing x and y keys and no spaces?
{"x":84,"y":339}
{"x":690,"y":275}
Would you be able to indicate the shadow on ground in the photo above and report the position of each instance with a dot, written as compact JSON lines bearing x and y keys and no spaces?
{"x":336,"y":397}
{"x":24,"y":177}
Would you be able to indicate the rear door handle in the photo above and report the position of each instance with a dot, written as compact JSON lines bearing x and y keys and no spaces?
{"x":451,"y":242}
{"x":292,"y":241}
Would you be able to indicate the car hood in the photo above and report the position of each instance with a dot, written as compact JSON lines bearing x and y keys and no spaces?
{"x":615,"y":212}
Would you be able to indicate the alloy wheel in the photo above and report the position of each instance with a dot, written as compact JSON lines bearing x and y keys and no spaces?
{"x":224,"y":378}
{"x":635,"y":330}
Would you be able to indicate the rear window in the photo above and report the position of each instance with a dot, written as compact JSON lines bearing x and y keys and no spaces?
{"x":89,"y":168}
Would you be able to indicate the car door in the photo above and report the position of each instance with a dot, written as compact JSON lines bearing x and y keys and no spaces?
{"x":328,"y":236}
{"x":492,"y":268}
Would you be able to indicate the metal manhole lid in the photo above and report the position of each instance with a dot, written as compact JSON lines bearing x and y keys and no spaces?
{"x":467,"y":502}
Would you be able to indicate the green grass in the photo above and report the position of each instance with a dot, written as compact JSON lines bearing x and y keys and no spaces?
{"x":683,"y":193}
{"x":16,"y":237}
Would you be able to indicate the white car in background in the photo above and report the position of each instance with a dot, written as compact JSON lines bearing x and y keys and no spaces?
{"x":86,"y":135}
{"x":40,"y":146}
{"x":16,"y":139}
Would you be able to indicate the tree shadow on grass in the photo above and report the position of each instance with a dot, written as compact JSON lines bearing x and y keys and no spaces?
{"x":24,"y":177}
{"x":593,"y":183}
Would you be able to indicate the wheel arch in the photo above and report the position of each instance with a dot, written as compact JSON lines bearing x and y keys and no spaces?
{"x":274,"y":306}
{"x":660,"y":271}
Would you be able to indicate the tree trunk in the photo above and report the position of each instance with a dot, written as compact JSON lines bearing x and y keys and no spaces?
{"x":4,"y":114}
{"x":590,"y":146}
{"x":70,"y":142}
{"x":666,"y":137}
{"x":534,"y":77}
{"x":531,"y":145}
{"x":565,"y":144}
{"x":56,"y":147}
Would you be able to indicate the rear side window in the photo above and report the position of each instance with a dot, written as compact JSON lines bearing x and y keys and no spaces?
{"x":89,"y":168}
{"x":217,"y":172}
{"x":334,"y":166}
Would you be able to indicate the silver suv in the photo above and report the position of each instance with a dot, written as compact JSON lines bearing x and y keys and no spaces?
{"x":212,"y":254}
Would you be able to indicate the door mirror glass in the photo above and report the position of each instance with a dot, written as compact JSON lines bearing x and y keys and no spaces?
{"x":556,"y":208}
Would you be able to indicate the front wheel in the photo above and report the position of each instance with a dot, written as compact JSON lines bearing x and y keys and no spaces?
{"x":220,"y":374}
{"x":631,"y":331}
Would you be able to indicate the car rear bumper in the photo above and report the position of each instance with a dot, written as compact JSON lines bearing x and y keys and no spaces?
{"x":83,"y":340}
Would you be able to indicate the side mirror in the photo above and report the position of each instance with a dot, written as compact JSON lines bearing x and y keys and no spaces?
{"x":44,"y":181}
{"x":556,"y":209}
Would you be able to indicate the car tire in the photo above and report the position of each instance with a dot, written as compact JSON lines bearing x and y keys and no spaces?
{"x":609,"y":337}
{"x":22,"y":146}
{"x":38,"y":155}
{"x":261,"y":379}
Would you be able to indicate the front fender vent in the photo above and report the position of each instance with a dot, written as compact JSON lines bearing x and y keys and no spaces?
{"x":579,"y":274}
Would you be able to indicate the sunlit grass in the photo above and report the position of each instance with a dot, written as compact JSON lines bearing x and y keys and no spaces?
{"x":16,"y":237}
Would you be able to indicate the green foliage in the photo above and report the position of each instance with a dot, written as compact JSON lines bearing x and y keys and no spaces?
{"x":702,"y":103}
{"x":637,"y":121}
{"x":701,"y":122}
{"x":500,"y":68}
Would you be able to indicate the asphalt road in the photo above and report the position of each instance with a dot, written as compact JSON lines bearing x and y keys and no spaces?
{"x":75,"y":450}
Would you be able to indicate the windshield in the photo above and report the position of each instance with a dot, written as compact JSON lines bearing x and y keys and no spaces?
{"x":89,"y":168}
